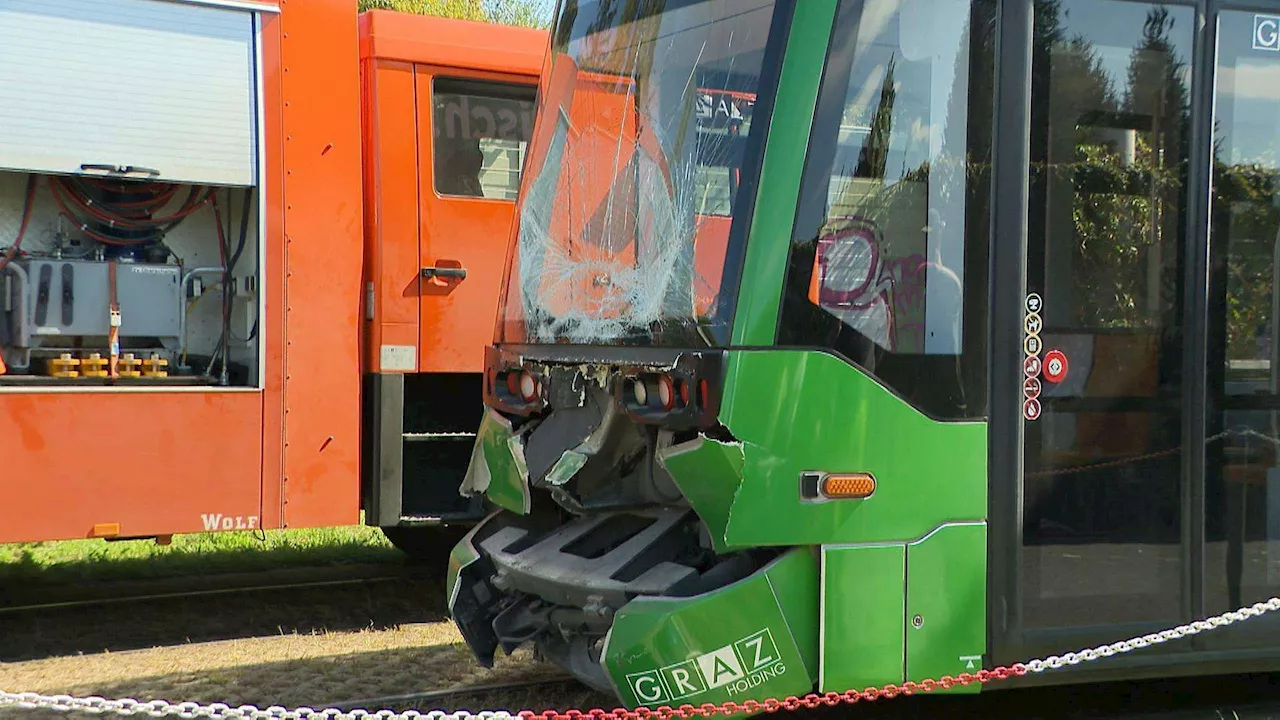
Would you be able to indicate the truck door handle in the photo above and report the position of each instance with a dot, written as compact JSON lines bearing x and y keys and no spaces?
{"x":444,"y":272}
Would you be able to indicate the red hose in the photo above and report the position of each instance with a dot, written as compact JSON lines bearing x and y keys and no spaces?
{"x":26,"y":220}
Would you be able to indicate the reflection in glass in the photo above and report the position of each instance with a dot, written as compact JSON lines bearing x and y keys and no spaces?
{"x":1242,"y":500}
{"x":888,"y":260}
{"x":480,"y":131}
{"x":1102,"y":498}
{"x":624,"y":226}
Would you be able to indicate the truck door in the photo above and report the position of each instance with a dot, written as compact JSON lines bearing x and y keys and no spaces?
{"x":471,"y":145}
{"x":463,"y":145}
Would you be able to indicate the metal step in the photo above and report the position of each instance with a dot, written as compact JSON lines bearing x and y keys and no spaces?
{"x":438,"y":437}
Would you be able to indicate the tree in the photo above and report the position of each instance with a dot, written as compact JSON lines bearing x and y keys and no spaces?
{"x":525,"y":13}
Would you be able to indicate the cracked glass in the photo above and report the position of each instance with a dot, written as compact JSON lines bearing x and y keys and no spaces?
{"x":625,"y":216}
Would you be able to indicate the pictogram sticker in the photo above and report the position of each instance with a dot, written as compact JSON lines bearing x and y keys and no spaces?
{"x":1031,"y":366}
{"x":1031,"y":409}
{"x":1055,"y":366}
{"x":1034,"y":303}
{"x":1031,"y":388}
{"x":1032,"y":324}
{"x":1032,"y":345}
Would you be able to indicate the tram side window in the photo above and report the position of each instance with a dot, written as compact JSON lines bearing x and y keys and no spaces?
{"x":889,"y":252}
{"x":480,"y":131}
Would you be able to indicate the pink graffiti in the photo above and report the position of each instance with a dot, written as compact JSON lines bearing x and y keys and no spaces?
{"x":909,"y":275}
{"x":895,"y":284}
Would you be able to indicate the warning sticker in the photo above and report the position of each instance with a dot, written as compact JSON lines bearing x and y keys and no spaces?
{"x":1031,"y":366}
{"x":738,"y":667}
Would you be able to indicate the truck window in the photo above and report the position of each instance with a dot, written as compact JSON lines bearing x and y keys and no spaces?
{"x":480,"y":130}
{"x":888,"y":255}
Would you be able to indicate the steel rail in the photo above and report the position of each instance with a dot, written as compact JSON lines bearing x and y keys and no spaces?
{"x":379,"y":703}
{"x":225,"y":586}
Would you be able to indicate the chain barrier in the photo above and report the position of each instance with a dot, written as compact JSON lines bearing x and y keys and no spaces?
{"x":1237,"y":432}
{"x":221,"y":711}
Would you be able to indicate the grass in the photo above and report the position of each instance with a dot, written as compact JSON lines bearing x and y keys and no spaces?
{"x":74,"y":561}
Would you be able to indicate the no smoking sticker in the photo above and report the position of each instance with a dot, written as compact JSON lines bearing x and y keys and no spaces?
{"x":1055,"y":366}
{"x":1031,"y":388}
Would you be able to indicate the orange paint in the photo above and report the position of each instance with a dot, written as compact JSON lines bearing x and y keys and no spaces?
{"x":409,"y":225}
{"x":348,"y":200}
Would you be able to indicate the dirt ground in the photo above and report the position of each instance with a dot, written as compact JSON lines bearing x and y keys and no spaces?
{"x":312,"y":648}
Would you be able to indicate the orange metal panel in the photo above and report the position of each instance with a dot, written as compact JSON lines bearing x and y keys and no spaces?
{"x":457,"y":316}
{"x":392,"y":208}
{"x":273,"y":278}
{"x":152,"y":463}
{"x":454,"y":43}
{"x":323,"y":223}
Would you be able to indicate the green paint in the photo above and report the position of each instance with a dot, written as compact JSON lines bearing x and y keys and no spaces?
{"x":566,"y":467}
{"x":821,"y":413}
{"x":462,"y":555}
{"x":947,"y":589}
{"x":799,"y":602}
{"x":863,"y":627}
{"x":497,"y":465}
{"x":752,"y":639}
{"x":756,"y":318}
{"x":708,"y":473}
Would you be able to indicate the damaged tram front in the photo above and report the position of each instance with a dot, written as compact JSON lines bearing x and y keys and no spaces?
{"x":856,"y":342}
{"x":606,"y":383}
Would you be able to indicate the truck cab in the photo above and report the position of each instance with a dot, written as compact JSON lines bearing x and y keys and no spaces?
{"x":448,"y":115}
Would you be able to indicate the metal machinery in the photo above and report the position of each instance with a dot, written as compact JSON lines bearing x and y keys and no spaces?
{"x":191,"y":288}
{"x":180,"y":225}
{"x":851,"y":342}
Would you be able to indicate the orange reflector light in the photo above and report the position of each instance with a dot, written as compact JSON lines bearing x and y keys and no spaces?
{"x":848,"y":487}
{"x":105,"y":530}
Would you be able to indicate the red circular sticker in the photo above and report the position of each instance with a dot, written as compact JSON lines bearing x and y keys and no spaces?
{"x":1055,"y":366}
{"x":1031,"y":409}
{"x":1031,"y":366}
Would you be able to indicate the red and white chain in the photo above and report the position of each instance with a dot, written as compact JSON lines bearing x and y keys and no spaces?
{"x":161,"y":708}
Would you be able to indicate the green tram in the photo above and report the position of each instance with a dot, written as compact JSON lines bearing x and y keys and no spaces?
{"x":852,"y":342}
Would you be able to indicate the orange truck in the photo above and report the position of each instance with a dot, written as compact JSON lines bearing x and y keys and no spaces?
{"x":247,"y":276}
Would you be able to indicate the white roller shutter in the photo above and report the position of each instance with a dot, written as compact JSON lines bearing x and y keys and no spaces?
{"x":157,"y":84}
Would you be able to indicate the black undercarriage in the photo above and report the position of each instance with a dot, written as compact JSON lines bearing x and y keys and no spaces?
{"x":613,"y":528}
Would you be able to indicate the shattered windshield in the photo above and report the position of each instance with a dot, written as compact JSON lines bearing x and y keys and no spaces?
{"x":624,"y":222}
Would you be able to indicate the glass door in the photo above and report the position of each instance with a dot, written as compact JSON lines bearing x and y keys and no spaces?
{"x":1103,"y":543}
{"x":1242,"y":457}
{"x":1139,"y":486}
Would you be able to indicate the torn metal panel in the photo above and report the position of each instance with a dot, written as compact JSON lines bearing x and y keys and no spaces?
{"x":708,"y":472}
{"x":565,"y":468}
{"x":498,"y":467}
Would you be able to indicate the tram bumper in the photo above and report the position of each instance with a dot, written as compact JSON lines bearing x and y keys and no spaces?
{"x":651,"y":637}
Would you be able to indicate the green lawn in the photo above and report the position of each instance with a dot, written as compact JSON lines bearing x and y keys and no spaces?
{"x":80,"y":560}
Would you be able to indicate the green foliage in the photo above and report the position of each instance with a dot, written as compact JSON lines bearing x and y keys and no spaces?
{"x":73,"y":561}
{"x":524,"y":13}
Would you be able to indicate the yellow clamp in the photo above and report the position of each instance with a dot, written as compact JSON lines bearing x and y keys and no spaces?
{"x":154,"y":366}
{"x":63,"y":366}
{"x":130,"y":366}
{"x":94,"y":366}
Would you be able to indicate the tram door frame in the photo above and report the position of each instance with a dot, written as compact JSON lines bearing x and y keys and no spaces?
{"x":1010,"y":639}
